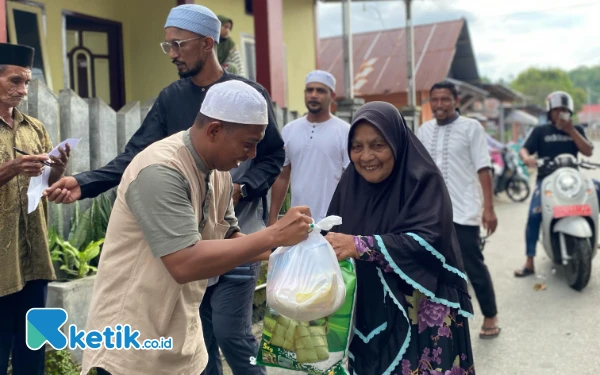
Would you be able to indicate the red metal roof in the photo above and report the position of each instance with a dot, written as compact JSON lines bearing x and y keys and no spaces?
{"x":587,"y":108}
{"x":380,"y":58}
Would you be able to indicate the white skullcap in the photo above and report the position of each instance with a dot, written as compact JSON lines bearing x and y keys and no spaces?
{"x":321,"y":76}
{"x":236,"y":102}
{"x":195,"y":18}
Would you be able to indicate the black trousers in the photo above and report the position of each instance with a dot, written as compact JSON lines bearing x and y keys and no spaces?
{"x":13,"y":309}
{"x":477,"y":271}
{"x":226,"y":313}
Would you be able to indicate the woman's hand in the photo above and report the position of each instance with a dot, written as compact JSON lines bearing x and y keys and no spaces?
{"x":343,"y":245}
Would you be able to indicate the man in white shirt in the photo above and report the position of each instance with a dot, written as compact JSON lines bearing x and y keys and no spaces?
{"x":316,"y":151}
{"x":459,"y":148}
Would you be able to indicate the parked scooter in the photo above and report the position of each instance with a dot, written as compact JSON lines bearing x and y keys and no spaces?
{"x":569,"y":217}
{"x":510,"y":178}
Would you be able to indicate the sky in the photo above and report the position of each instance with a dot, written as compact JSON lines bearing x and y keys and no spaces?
{"x":508,"y":36}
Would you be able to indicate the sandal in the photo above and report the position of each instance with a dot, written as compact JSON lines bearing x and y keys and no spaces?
{"x":524,"y":272}
{"x":489,"y":332}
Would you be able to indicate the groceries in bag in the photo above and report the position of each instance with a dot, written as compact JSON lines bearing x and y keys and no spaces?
{"x":304,"y":281}
{"x":317,"y":347}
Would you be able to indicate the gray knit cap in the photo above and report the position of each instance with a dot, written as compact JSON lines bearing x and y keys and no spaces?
{"x":195,"y":18}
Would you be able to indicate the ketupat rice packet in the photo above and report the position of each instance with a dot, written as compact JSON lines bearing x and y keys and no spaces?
{"x":318,"y":347}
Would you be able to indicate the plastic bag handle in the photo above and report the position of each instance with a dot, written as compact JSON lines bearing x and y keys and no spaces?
{"x":328,"y":223}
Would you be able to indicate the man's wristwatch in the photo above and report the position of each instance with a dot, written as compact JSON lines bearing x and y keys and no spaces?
{"x":243,"y":191}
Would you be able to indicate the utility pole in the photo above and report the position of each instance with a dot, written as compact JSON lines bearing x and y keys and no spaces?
{"x":410,"y":54}
{"x":589,"y":95}
{"x":347,"y":41}
{"x":348,"y":106}
{"x":411,"y":112}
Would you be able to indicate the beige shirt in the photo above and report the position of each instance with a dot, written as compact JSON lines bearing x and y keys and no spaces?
{"x":157,"y":217}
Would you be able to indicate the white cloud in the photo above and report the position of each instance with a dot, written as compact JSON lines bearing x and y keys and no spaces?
{"x":507,"y":36}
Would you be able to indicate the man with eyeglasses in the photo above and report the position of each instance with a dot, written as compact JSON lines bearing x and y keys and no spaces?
{"x":191,"y":34}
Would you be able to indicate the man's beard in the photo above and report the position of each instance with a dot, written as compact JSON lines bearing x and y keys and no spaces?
{"x":197,"y":68}
{"x":314,"y":110}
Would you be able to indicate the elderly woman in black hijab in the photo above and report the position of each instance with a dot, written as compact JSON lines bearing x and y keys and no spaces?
{"x":413,"y":304}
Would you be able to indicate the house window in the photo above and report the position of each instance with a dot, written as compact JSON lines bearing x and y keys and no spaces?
{"x":26,"y":25}
{"x":248,"y":7}
{"x":249,"y":55}
{"x":94,"y":58}
{"x":248,"y":52}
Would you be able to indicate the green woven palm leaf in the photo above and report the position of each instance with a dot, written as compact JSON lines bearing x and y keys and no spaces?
{"x":311,"y":342}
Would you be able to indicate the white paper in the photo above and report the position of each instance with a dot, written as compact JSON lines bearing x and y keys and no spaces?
{"x":38,"y":184}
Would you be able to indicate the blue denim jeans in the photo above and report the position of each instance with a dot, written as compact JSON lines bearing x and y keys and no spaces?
{"x":534,"y":221}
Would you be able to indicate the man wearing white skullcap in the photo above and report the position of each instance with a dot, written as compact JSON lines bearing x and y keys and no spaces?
{"x":166,"y":234}
{"x":191,"y":34}
{"x":320,"y":76}
{"x":316,"y":151}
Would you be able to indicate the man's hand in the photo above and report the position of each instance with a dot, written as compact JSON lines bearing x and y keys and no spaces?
{"x":293,"y":227}
{"x":60,"y":164}
{"x":490,"y":222}
{"x":30,"y":165}
{"x":530,"y":162}
{"x":565,"y":125}
{"x":343,"y":245}
{"x":237,"y":193}
{"x":65,"y":190}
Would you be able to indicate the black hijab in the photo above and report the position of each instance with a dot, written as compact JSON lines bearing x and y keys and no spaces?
{"x":410,"y":212}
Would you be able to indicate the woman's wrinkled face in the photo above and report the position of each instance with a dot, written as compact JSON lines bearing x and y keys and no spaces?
{"x":371,"y":153}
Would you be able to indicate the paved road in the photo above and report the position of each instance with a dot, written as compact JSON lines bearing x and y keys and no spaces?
{"x":547,"y":332}
{"x":544,"y":332}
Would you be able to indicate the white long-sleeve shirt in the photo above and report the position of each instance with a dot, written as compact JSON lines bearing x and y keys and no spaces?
{"x":460,"y":150}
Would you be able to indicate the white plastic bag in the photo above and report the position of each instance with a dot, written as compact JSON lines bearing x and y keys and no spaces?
{"x":304,"y":282}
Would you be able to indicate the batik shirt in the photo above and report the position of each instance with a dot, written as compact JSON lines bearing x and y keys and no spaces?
{"x":24,"y":253}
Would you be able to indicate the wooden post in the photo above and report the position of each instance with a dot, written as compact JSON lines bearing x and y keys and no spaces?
{"x":3,"y":23}
{"x":317,"y":39}
{"x":268,"y":36}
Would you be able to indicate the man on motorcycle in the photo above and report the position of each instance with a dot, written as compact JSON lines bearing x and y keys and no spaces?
{"x":549,"y":141}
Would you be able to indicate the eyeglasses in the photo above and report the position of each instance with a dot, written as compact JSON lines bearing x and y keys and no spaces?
{"x":175,"y":45}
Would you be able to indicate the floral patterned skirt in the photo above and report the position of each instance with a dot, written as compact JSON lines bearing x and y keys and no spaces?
{"x":439,"y":342}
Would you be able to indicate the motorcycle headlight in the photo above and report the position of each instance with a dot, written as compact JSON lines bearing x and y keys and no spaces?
{"x":569,"y":184}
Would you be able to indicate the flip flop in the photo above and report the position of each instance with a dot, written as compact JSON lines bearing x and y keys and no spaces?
{"x":524,"y":272}
{"x":486,"y":332}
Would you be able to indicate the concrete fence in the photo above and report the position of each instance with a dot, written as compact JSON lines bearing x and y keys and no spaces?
{"x":103,"y":132}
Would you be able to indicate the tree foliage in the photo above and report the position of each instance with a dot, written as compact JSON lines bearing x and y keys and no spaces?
{"x":538,"y":83}
{"x":587,"y":77}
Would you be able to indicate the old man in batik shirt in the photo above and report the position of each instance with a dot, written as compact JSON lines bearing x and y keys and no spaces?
{"x":25,"y":262}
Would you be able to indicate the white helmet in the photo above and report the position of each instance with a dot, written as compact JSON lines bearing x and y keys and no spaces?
{"x":559,"y":99}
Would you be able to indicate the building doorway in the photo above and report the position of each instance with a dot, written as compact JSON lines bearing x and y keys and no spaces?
{"x":94,"y":49}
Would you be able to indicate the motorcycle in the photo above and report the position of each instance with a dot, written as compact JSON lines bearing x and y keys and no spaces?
{"x":510,"y":178}
{"x":569,"y":217}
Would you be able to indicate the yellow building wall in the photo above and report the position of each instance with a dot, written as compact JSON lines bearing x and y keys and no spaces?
{"x":234,"y":9}
{"x":299,"y":38}
{"x":148,"y":70}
